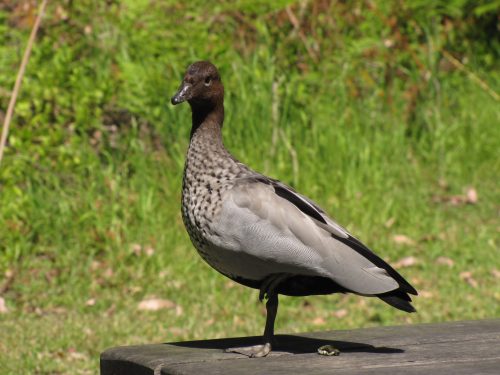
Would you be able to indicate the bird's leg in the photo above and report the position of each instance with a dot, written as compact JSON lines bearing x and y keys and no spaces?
{"x":272,"y":311}
{"x":264,"y":349}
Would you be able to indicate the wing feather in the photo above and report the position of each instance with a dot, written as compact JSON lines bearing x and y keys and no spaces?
{"x":311,"y":209}
{"x":289,"y":233}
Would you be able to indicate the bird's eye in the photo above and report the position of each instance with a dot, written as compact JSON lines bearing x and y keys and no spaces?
{"x":208,"y":81}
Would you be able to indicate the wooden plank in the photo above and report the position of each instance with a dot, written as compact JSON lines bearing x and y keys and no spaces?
{"x":446,"y":348}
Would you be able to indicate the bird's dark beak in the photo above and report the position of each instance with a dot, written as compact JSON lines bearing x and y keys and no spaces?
{"x":182,"y":94}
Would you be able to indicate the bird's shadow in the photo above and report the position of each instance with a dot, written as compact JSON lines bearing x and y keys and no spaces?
{"x":290,"y":344}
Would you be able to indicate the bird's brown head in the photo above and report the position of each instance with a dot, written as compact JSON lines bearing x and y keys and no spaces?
{"x":201,"y":86}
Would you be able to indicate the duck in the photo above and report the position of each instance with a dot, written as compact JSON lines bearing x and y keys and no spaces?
{"x":261,"y":233}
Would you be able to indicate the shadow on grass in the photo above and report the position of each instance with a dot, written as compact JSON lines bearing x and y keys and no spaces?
{"x":290,"y":344}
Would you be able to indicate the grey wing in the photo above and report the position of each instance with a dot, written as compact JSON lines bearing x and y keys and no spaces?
{"x":283,"y":232}
{"x":310,"y":208}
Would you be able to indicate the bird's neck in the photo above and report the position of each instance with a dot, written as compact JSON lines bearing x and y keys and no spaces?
{"x":207,"y":121}
{"x":205,"y":145}
{"x":207,"y":159}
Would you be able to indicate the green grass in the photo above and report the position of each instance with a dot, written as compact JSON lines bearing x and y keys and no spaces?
{"x":75,"y":205}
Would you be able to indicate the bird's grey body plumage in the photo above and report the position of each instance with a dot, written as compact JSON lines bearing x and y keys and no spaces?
{"x":245,"y":230}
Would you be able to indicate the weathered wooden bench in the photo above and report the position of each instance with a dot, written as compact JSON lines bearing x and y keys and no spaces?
{"x":470,"y":347}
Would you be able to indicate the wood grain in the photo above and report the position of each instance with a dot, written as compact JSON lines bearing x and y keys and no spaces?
{"x":471,"y":347}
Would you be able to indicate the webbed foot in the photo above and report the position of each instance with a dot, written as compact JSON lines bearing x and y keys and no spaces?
{"x":255,"y":351}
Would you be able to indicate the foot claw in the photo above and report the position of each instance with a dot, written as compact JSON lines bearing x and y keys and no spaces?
{"x":328,"y":350}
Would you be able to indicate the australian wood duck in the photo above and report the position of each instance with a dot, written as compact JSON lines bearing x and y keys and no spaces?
{"x":261,"y":233}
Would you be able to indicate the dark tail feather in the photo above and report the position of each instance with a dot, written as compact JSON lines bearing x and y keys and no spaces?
{"x":398,"y":299}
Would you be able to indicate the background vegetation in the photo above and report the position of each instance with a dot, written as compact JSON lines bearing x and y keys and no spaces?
{"x":384,"y":112}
